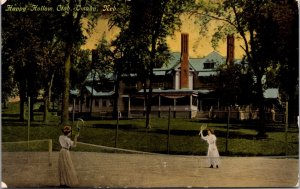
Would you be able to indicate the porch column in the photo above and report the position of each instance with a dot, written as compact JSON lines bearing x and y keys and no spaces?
{"x":159,"y":106}
{"x":174,"y":109}
{"x":80,"y":106}
{"x":273,"y":113}
{"x":191,"y":105}
{"x":129,"y":108}
{"x":144,"y":112}
{"x":201,"y":110}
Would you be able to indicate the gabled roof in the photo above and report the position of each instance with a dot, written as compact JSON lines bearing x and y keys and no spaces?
{"x":215,"y":57}
{"x":100,"y":93}
{"x":174,"y":60}
{"x":196,"y":64}
{"x":158,"y":71}
{"x":207,"y":73}
{"x":271,"y":93}
{"x":178,"y":65}
{"x":75,"y":92}
{"x":98,"y":75}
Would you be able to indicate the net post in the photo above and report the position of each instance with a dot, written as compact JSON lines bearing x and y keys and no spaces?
{"x":50,"y":151}
{"x":28,"y":129}
{"x":227,"y":130}
{"x":117,"y":129}
{"x":168,"y":139}
{"x":286,"y":125}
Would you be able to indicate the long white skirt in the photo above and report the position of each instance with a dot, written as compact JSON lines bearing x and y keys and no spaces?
{"x":213,"y":155}
{"x":66,"y":170}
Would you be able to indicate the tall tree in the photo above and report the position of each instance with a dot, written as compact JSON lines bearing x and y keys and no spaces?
{"x":101,"y":67}
{"x":252,"y":20}
{"x":70,"y":31}
{"x":34,"y":41}
{"x":286,"y":25}
{"x":148,"y":25}
{"x":234,"y":85}
{"x":22,"y":52}
{"x":73,"y":34}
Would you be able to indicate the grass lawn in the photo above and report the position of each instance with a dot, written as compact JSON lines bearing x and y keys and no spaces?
{"x":132,"y":134}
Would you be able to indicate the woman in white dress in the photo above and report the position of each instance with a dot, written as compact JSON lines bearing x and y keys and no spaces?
{"x":212,"y":152}
{"x":66,"y":170}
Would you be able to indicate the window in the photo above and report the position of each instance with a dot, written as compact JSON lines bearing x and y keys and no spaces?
{"x":209,"y":65}
{"x":87,"y":102}
{"x":104,"y":104}
{"x":96,"y":102}
{"x":158,"y":85}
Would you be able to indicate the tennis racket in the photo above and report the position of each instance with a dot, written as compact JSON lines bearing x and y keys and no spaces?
{"x":79,"y":124}
{"x":203,"y":127}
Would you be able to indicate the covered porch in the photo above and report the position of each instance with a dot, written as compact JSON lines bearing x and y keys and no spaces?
{"x":181,"y":103}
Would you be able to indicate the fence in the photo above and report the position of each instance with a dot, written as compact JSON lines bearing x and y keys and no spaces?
{"x":278,"y":117}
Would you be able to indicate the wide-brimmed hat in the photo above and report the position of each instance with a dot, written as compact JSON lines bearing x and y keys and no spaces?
{"x":67,"y":129}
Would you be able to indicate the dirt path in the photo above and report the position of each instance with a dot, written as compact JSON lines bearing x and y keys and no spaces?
{"x":132,"y":170}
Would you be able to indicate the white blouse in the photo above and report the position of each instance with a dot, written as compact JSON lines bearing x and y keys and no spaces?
{"x":211,"y":140}
{"x":65,"y":142}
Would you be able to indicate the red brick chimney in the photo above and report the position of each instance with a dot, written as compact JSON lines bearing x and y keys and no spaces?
{"x":230,"y":50}
{"x":184,"y":71}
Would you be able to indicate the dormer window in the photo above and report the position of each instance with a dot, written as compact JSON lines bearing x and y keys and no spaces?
{"x":209,"y":65}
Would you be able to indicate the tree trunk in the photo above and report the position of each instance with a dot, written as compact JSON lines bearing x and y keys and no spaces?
{"x":31,"y":114}
{"x":154,"y":35}
{"x":149,"y":97}
{"x":65,"y":103}
{"x":22,"y":110}
{"x":72,"y":22}
{"x":92,"y":93}
{"x":46,"y":108}
{"x":5,"y":104}
{"x":261,"y":108}
{"x":22,"y":103}
{"x":116,"y":99}
{"x":148,"y":105}
{"x":146,"y":97}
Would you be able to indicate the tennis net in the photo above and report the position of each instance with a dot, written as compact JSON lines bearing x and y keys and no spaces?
{"x":86,"y":147}
{"x":26,"y":151}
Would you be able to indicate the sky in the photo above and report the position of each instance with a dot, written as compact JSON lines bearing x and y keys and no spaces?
{"x":199,"y":46}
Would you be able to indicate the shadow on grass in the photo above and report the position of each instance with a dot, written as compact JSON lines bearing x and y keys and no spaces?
{"x":10,"y":115}
{"x":24,"y":123}
{"x":113,"y":126}
{"x":177,"y":132}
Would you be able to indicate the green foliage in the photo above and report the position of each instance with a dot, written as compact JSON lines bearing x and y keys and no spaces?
{"x":142,"y":40}
{"x":253,"y":21}
{"x":103,"y":57}
{"x":132,"y":134}
{"x":267,"y":45}
{"x":235,"y":85}
{"x":36,"y":44}
{"x":80,"y":68}
{"x":144,"y":28}
{"x":184,"y":138}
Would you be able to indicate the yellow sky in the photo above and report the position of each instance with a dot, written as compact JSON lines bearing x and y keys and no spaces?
{"x":199,"y":46}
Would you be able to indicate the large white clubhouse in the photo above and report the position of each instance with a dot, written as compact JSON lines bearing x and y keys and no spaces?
{"x":183,"y":86}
